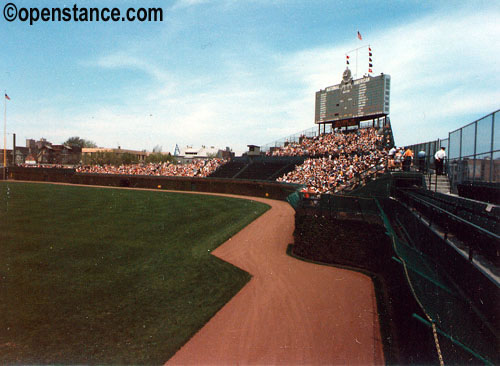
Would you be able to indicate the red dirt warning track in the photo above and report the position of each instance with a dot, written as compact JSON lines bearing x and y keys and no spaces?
{"x":291,"y":312}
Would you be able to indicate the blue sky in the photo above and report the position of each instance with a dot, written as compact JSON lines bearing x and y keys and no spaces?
{"x":234,"y":72}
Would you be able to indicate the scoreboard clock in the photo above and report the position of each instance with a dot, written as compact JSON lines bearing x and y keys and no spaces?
{"x":353,"y":101}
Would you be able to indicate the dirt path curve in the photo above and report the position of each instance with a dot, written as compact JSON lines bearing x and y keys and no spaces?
{"x":291,"y":312}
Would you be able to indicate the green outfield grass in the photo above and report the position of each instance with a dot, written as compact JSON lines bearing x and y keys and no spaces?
{"x":111,"y":276}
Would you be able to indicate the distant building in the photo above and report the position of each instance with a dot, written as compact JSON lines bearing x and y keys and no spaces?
{"x":59,"y":154}
{"x":21,"y":153}
{"x":253,"y":150}
{"x":92,"y":151}
{"x":188,"y":153}
{"x":177,"y":151}
{"x":43,"y":152}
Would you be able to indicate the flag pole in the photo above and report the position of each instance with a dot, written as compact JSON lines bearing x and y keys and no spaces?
{"x":356,"y":63}
{"x":5,"y":136}
{"x":356,"y":50}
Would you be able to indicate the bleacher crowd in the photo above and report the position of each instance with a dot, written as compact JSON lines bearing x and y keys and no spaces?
{"x":331,"y":144}
{"x":196,"y":168}
{"x":335,"y":159}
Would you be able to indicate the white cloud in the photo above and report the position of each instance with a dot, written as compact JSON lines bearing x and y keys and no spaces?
{"x":442,"y":67}
{"x":128,"y":61}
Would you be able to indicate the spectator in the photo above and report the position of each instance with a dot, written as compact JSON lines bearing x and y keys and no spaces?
{"x":390,"y":162}
{"x":398,"y":158}
{"x":407,"y":159}
{"x":421,"y":155}
{"x":439,"y":160}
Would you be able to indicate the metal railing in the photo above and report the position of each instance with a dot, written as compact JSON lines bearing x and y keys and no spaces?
{"x":473,"y":151}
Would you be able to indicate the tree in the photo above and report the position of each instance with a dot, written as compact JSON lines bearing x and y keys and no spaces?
{"x":102,"y":158}
{"x":79,"y":142}
{"x":128,"y":158}
{"x":158,"y":157}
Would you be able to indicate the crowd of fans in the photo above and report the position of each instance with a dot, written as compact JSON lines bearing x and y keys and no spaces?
{"x":55,"y":166}
{"x":196,"y":168}
{"x":335,"y":159}
{"x":331,"y":144}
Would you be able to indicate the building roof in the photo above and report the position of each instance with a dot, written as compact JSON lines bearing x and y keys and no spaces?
{"x":202,"y":152}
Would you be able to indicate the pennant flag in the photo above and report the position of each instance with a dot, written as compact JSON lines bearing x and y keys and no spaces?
{"x":347,"y":62}
{"x":370,"y":59}
{"x":347,"y":56}
{"x":370,"y":70}
{"x":7,"y":97}
{"x":370,"y":65}
{"x":359,"y":36}
{"x":370,"y":54}
{"x":370,"y":49}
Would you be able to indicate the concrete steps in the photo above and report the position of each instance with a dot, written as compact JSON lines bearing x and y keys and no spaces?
{"x":443,"y":184}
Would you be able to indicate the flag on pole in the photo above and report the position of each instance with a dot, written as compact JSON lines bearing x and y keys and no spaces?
{"x":359,"y":36}
{"x":7,"y":97}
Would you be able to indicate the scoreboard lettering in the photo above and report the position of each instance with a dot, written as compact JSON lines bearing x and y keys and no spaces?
{"x":353,"y":100}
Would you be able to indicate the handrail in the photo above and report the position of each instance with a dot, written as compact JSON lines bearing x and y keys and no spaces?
{"x":454,"y":217}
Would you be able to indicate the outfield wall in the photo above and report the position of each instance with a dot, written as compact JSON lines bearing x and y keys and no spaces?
{"x":254,"y":188}
{"x":418,"y":272}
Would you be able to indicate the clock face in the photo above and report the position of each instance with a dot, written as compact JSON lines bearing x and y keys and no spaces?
{"x":346,"y":76}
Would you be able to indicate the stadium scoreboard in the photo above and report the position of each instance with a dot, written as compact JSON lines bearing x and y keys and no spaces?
{"x":353,"y":101}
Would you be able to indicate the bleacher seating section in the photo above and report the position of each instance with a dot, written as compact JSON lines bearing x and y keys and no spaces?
{"x":229,"y":170}
{"x":261,"y":168}
{"x":479,"y":213}
{"x":475,"y":223}
{"x":483,"y":191}
{"x":265,"y":171}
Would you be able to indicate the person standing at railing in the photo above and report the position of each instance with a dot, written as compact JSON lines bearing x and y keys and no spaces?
{"x":407,"y":159}
{"x":421,"y":155}
{"x":439,"y":160}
